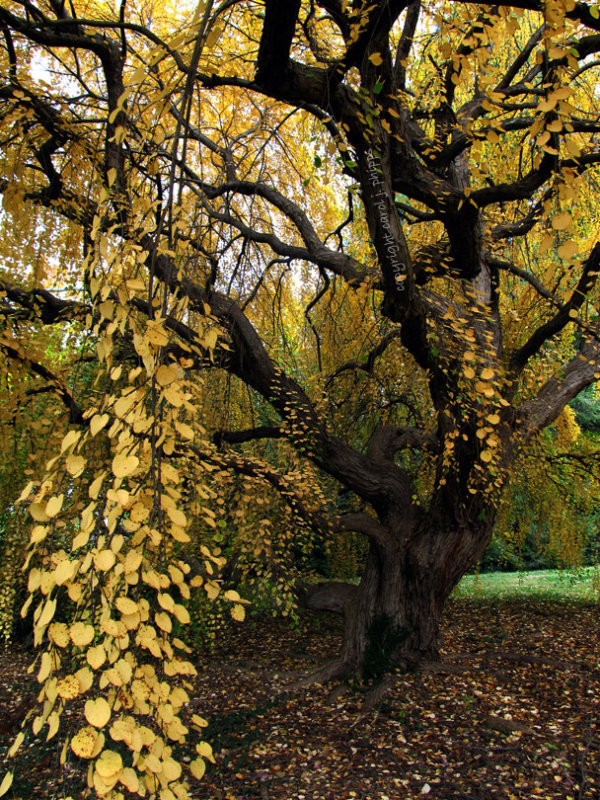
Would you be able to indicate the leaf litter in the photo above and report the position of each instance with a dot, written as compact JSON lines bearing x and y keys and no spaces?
{"x":511,"y":711}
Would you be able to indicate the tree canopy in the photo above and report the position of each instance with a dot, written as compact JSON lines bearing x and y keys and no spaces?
{"x":344,"y":250}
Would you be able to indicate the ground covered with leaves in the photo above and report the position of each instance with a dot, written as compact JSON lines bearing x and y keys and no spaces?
{"x":511,"y":711}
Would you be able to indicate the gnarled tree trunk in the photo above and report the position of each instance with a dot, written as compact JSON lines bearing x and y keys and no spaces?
{"x":393,"y":619}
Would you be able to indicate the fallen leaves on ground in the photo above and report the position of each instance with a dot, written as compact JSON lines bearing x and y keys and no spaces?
{"x":511,"y":711}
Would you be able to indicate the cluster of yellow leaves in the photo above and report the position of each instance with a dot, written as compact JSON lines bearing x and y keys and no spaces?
{"x":107,"y":586}
{"x":113,"y":644}
{"x":567,"y":427}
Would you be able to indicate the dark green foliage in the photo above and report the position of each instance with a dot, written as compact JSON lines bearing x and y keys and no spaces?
{"x":505,"y":556}
{"x":587,"y":411}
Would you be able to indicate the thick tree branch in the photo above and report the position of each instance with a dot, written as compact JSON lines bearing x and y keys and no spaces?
{"x":519,"y":189}
{"x":278,"y":30}
{"x":249,"y":435}
{"x":42,"y":304}
{"x":541,"y":410}
{"x":589,"y":274}
{"x":55,"y":384}
{"x":389,"y":440}
{"x":334,"y":260}
{"x":406,"y":42}
{"x":376,"y":21}
{"x":316,"y":518}
{"x":367,"y":364}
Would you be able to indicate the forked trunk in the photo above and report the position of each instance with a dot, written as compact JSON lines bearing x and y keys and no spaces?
{"x":393,"y":620}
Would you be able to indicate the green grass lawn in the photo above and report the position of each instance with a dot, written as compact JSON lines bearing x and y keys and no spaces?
{"x":572,"y":585}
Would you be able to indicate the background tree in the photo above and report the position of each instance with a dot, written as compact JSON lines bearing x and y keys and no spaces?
{"x":419,"y":176}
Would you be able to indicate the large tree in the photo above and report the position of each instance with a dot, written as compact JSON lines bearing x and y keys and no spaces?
{"x":407,"y":174}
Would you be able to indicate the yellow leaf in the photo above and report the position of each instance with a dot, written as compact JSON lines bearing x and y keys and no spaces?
{"x":45,"y":667}
{"x":97,"y":422}
{"x":6,"y":783}
{"x":81,"y":634}
{"x":123,"y":465}
{"x":64,"y":571}
{"x":124,"y":404}
{"x":568,"y":250}
{"x":75,"y":464}
{"x":205,"y":750}
{"x":38,"y":512}
{"x":179,"y":534}
{"x":165,"y":375}
{"x":132,"y":562}
{"x":562,"y":93}
{"x":209,"y":340}
{"x":487,"y":374}
{"x":126,"y":605}
{"x":96,"y":656}
{"x":184,"y":430}
{"x":163,"y":620}
{"x":83,"y":744}
{"x":47,"y":613}
{"x":486,"y":455}
{"x":125,"y":670}
{"x":493,"y":419}
{"x":212,"y":590}
{"x":75,"y":591}
{"x":484,"y":388}
{"x":166,"y":601}
{"x":38,"y":534}
{"x":97,"y":712}
{"x":173,"y":396}
{"x":156,"y":334}
{"x":135,"y":284}
{"x":129,"y":779}
{"x":376,"y":59}
{"x":171,"y":769}
{"x":16,"y":744}
{"x":238,"y":612}
{"x":107,"y":309}
{"x":68,"y":687}
{"x":81,"y":540}
{"x":446,"y":49}
{"x":25,"y":606}
{"x":546,"y":242}
{"x":25,"y":493}
{"x":104,"y":560}
{"x":54,"y":505}
{"x":85,"y":677}
{"x":177,"y":517}
{"x":69,"y":440}
{"x":562,"y":221}
{"x":109,"y":763}
{"x":95,"y":486}
{"x":198,"y":768}
{"x":182,"y":614}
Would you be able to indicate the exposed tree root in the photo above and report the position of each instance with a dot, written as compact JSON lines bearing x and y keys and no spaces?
{"x":331,"y":670}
